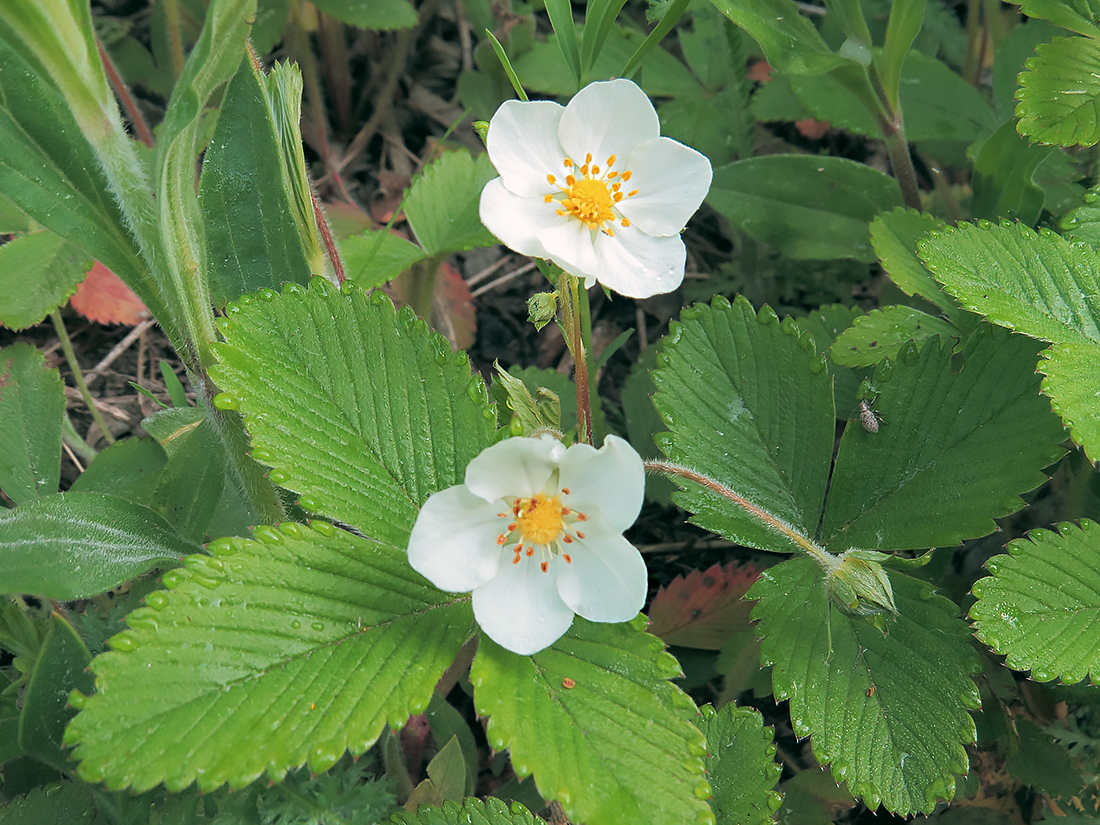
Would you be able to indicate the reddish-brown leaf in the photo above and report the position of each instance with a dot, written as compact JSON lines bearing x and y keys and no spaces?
{"x":704,"y":608}
{"x":103,"y":298}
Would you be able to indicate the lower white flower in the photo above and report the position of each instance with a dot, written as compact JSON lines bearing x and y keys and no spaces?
{"x":536,"y":534}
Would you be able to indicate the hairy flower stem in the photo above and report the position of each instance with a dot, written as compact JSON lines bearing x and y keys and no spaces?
{"x":826,"y":560}
{"x":576,"y":320}
{"x":78,"y":374}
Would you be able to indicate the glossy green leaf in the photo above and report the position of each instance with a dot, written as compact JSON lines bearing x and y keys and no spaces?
{"x":887,"y":711}
{"x":363,"y":411}
{"x":1072,"y":374}
{"x":1059,"y":95}
{"x":789,"y":41}
{"x":1040,"y":608}
{"x":263,"y":657}
{"x":956,"y":448}
{"x":32,"y":406}
{"x":741,"y":765}
{"x":442,"y":205}
{"x":1081,"y":16}
{"x":381,"y":15}
{"x":881,"y":333}
{"x":807,"y":207}
{"x":488,"y":811}
{"x":374,"y":258}
{"x":894,"y":236}
{"x":76,"y":545}
{"x":61,"y":668}
{"x":38,"y":273}
{"x":252,"y":239}
{"x":748,"y":402}
{"x":597,"y":703}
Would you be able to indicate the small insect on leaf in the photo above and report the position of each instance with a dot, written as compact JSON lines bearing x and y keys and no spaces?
{"x":568,"y":683}
{"x":867,"y":417}
{"x":870,"y":691}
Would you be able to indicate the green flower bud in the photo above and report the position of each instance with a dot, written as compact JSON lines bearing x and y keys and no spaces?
{"x":859,"y":586}
{"x":542,"y":307}
{"x":482,"y":129}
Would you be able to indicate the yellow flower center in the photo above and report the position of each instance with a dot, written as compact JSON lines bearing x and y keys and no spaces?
{"x":539,"y":518}
{"x":540,"y":521}
{"x":591,"y":198}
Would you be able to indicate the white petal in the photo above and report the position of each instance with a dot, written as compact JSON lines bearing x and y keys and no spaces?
{"x":517,"y":221}
{"x":515,"y":467}
{"x":520,"y":609}
{"x":671,"y":179}
{"x":523,"y":145}
{"x":638,"y":265}
{"x":607,"y":118}
{"x":570,"y":247}
{"x":607,"y":579}
{"x":453,"y":543}
{"x":611,"y":479}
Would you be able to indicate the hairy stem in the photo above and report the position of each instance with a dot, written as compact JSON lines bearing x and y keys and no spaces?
{"x":578,"y":336}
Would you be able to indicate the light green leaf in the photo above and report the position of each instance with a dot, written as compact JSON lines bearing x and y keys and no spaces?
{"x":1083,"y":223}
{"x":790,"y":42}
{"x":1081,"y":16}
{"x":741,"y":766}
{"x":442,"y":206}
{"x":1040,"y":608}
{"x":363,"y":411}
{"x":1059,"y":94}
{"x":597,"y":703}
{"x":263,"y":657}
{"x":888,"y":711}
{"x":894,"y":236}
{"x":954,"y":451}
{"x":76,"y":545}
{"x":705,"y":121}
{"x":252,"y":239}
{"x":61,"y":667}
{"x":1072,"y":373}
{"x":381,"y":15}
{"x":38,"y":273}
{"x":748,"y":402}
{"x":881,"y":333}
{"x":374,"y":258}
{"x":906,"y":20}
{"x":488,"y":811}
{"x":807,"y":207}
{"x":560,"y":13}
{"x":32,"y":406}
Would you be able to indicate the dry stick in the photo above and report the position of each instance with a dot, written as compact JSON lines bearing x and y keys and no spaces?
{"x":478,"y":277}
{"x":118,"y":349}
{"x":503,"y":279}
{"x":72,"y":456}
{"x":132,"y":111}
{"x":78,"y":375}
{"x":384,"y":99}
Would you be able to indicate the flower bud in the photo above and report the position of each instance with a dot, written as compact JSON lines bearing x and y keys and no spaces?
{"x":541,"y":308}
{"x":859,"y":586}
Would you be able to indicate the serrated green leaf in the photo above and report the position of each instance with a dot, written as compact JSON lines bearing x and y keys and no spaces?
{"x":813,"y":798}
{"x":38,"y":273}
{"x":380,"y":15}
{"x":1072,"y":374}
{"x":740,"y":766}
{"x":881,"y":333}
{"x":824,"y":325}
{"x":391,"y":414}
{"x":252,"y":239}
{"x":808,"y":207}
{"x":1044,"y":764}
{"x":61,"y":803}
{"x":749,"y":403}
{"x":61,"y":668}
{"x":1040,"y":607}
{"x":487,"y":811}
{"x":442,"y":206}
{"x":596,"y":704}
{"x":894,"y":236}
{"x":888,"y":711}
{"x":32,"y":405}
{"x":76,"y":545}
{"x":264,"y":657}
{"x":789,"y":41}
{"x":1059,"y":94}
{"x":954,"y":450}
{"x":1083,"y":222}
{"x":1081,"y":16}
{"x":374,"y":258}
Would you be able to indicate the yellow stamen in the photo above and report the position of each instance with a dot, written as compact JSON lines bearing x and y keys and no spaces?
{"x":540,"y":519}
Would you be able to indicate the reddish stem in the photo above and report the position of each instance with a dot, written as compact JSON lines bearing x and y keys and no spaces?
{"x":142,"y":129}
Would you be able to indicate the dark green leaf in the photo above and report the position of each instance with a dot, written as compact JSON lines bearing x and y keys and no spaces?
{"x":32,"y":406}
{"x":363,"y":411}
{"x":881,"y":333}
{"x":1059,"y":95}
{"x":1004,"y":176}
{"x":381,"y":15}
{"x":263,"y":657}
{"x":888,"y":711}
{"x":488,"y":811}
{"x":1044,"y":764}
{"x":790,"y":42}
{"x":76,"y":545}
{"x":374,"y":258}
{"x":128,"y":469}
{"x":64,"y":803}
{"x":447,"y":724}
{"x":442,"y":206}
{"x":597,"y":703}
{"x":252,"y":240}
{"x":740,"y":766}
{"x":906,"y":19}
{"x":749,"y":403}
{"x":560,"y":13}
{"x":190,"y":486}
{"x":808,"y":207}
{"x":38,"y":273}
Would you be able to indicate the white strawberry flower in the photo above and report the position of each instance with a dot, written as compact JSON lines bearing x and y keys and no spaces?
{"x":594,"y":187}
{"x":536,"y":534}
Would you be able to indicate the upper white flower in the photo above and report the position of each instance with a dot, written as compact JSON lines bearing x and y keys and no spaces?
{"x":594,"y":187}
{"x":536,"y":534}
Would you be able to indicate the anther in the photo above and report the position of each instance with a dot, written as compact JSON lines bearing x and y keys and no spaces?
{"x":565,"y":510}
{"x":595,"y":170}
{"x":548,"y":198}
{"x":588,"y":158}
{"x":501,"y":539}
{"x":530,"y":551}
{"x":582,"y":517}
{"x":618,"y":196}
{"x":568,"y":558}
{"x":544,"y":567}
{"x":568,"y":539}
{"x":511,"y":527}
{"x":580,"y":535}
{"x":632,"y":193}
{"x":611,"y":161}
{"x":565,"y":491}
{"x":627,"y":174}
{"x":515,"y":560}
{"x":568,"y":163}
{"x":626,"y":222}
{"x":551,"y":179}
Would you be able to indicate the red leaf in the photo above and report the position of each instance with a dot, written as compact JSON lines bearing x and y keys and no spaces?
{"x":703,"y":609}
{"x":812,"y":129}
{"x":103,"y":298}
{"x":455,"y":304}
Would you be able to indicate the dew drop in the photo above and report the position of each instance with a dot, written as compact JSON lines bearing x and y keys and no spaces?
{"x":122,"y":642}
{"x":319,"y":627}
{"x":267,"y":534}
{"x":292,"y":289}
{"x":245,"y":300}
{"x":225,"y":401}
{"x":1092,"y":196}
{"x":703,"y":790}
{"x":308,"y":503}
{"x":262,"y":455}
{"x":77,"y":699}
{"x":267,"y":294}
{"x":296,"y":625}
{"x":378,"y":298}
{"x":324,"y":528}
{"x":292,"y":529}
{"x":278,"y":476}
{"x":157,"y":600}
